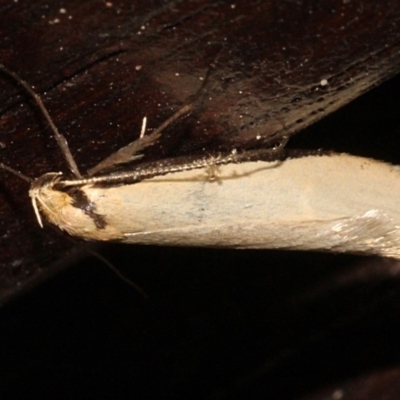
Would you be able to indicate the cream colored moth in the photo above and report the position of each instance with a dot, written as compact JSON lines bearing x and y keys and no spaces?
{"x":263,"y":199}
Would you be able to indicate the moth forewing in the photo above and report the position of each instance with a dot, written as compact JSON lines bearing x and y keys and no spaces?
{"x":334,"y":202}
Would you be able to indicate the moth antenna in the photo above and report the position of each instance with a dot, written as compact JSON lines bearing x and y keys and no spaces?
{"x":15,"y":172}
{"x":29,"y":180}
{"x":60,"y":139}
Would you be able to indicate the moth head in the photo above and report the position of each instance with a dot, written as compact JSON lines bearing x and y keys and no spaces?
{"x":40,"y":188}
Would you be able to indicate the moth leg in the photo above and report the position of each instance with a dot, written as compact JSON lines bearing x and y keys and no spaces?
{"x":213,"y":170}
{"x":130,"y":152}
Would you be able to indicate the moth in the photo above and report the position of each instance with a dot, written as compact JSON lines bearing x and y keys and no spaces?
{"x":268,"y":198}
